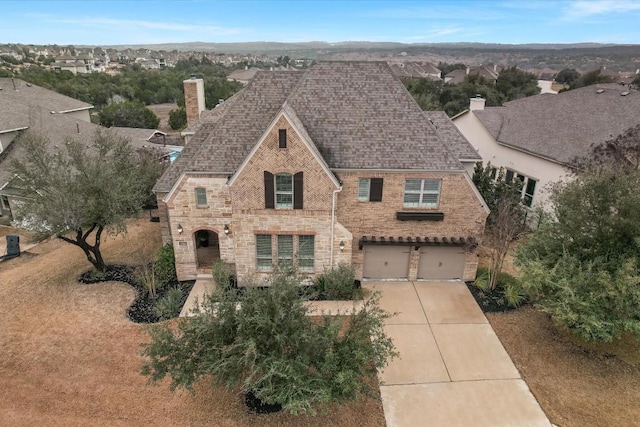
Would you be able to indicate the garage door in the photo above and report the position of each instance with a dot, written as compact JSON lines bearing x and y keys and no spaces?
{"x":386,"y":262}
{"x":441,"y":263}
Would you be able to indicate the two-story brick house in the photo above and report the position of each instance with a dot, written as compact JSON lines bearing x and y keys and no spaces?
{"x":333,"y":164}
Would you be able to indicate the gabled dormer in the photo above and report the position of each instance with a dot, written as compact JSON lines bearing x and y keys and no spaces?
{"x":284,"y":171}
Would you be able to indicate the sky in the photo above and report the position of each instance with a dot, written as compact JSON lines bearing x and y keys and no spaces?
{"x":88,"y":22}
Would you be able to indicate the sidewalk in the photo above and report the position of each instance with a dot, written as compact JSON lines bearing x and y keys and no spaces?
{"x":452,"y":369}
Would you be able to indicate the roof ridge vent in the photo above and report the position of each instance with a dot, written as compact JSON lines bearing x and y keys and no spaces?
{"x":625,"y":93}
{"x":599,"y":91}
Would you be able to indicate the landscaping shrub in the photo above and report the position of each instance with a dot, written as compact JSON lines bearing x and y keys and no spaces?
{"x":223,"y":275}
{"x":165,"y":266}
{"x":271,"y":349}
{"x":508,"y":293}
{"x":170,"y":305}
{"x":337,"y":283}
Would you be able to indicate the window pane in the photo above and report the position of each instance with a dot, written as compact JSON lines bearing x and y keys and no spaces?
{"x":363,"y":189}
{"x":306,"y":252}
{"x":411,"y":199}
{"x":284,"y":190}
{"x":412,"y":185}
{"x":201,"y":197}
{"x":431,"y":185}
{"x":430,"y":200}
{"x":263,"y":250}
{"x":509,"y":176}
{"x":285,"y":249}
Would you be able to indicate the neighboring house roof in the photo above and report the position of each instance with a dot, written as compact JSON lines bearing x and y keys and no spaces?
{"x":563,"y":126}
{"x":59,"y":128}
{"x":243,"y":75}
{"x":458,"y":76}
{"x":451,"y":136}
{"x":31,"y":95}
{"x":137,"y":133}
{"x":358,"y":114}
{"x":415,"y":69}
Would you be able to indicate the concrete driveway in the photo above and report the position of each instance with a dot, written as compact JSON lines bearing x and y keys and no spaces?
{"x":452,"y":369}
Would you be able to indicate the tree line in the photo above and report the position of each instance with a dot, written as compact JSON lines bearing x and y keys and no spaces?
{"x":135,"y":87}
{"x":511,"y":84}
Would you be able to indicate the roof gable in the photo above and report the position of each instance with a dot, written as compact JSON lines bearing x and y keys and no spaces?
{"x":358,"y":115}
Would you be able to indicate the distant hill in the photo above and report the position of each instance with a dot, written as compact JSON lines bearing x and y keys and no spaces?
{"x":582,"y":56}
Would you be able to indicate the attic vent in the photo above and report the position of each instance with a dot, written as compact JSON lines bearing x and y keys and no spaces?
{"x":625,"y":93}
{"x":600,"y":91}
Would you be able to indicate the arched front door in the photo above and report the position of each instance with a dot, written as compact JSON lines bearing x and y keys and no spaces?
{"x":207,"y":248}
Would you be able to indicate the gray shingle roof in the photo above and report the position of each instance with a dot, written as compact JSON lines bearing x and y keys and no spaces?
{"x":451,"y":136}
{"x":58,"y":128}
{"x":563,"y":126}
{"x":35,"y":96}
{"x":358,"y":114}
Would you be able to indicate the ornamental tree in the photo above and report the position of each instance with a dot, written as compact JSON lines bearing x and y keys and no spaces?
{"x":83,"y":188}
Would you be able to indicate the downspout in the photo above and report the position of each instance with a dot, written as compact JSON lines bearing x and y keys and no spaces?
{"x":333,"y":223}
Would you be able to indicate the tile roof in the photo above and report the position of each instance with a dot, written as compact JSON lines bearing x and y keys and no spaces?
{"x":358,"y":114}
{"x":451,"y":136}
{"x":563,"y":126}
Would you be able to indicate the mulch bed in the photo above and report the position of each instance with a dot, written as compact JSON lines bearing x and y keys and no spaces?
{"x":490,"y":301}
{"x":142,"y":308}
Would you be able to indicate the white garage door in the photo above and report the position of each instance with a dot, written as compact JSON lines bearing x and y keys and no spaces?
{"x":386,"y":262}
{"x":441,"y":263}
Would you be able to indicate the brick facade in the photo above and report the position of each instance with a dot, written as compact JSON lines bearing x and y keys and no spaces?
{"x":464,"y":214}
{"x":241,"y":205}
{"x":193,"y":99}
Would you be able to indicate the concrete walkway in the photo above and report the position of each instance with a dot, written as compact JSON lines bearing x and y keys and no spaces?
{"x":452,"y":369}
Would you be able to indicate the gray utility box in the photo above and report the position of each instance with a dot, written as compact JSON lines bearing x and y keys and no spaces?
{"x":13,"y":245}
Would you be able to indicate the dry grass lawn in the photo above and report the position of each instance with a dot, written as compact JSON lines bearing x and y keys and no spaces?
{"x":577,"y":384}
{"x":69,"y":356}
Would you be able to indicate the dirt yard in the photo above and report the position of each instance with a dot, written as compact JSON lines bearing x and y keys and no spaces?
{"x":69,"y":356}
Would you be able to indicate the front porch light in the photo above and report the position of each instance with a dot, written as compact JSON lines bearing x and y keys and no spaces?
{"x":226,"y":229}
{"x":341,"y":246}
{"x":180,"y":229}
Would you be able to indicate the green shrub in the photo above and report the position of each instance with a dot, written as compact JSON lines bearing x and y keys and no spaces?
{"x":272,"y":348}
{"x":222,"y":274}
{"x":170,"y":305}
{"x":514,"y":295}
{"x":337,"y":283}
{"x":165,"y":266}
{"x":482,"y":279}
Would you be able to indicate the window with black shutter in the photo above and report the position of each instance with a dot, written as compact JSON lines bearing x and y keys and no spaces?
{"x":370,"y":189}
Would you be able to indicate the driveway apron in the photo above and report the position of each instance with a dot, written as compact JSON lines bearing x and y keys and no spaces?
{"x":452,"y":369}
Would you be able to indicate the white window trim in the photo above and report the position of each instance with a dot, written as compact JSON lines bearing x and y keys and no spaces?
{"x":422,"y":192}
{"x":275,"y":189}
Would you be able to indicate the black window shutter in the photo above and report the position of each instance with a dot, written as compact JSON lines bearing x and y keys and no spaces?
{"x":298,"y":191}
{"x":375,"y":191}
{"x":269,"y":196}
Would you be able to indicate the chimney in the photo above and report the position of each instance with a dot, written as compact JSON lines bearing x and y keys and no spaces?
{"x":495,"y":68}
{"x":467,"y":69}
{"x":193,"y":98}
{"x":476,"y":103}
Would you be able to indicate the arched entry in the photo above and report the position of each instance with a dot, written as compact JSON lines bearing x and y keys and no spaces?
{"x":207,"y":248}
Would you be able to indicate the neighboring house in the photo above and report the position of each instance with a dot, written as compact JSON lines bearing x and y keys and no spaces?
{"x":335,"y":164}
{"x":24,"y":106}
{"x":415,"y":70}
{"x":458,"y":76}
{"x":243,"y":76}
{"x":537,"y":138}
